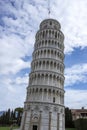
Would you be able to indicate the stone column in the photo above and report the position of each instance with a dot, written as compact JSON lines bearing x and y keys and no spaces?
{"x":24,"y":118}
{"x":58,"y":121}
{"x":63,"y":121}
{"x":50,"y":114}
{"x":30,"y":120}
{"x":40,"y":120}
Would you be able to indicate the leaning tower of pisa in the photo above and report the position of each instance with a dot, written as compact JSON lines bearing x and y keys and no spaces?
{"x":44,"y":105}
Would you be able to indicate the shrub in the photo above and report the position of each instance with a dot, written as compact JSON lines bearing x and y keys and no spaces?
{"x":81,"y":124}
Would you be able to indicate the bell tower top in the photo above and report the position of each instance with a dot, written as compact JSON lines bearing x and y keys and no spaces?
{"x":50,"y":23}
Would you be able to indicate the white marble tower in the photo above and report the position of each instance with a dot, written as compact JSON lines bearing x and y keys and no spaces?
{"x":44,"y":105}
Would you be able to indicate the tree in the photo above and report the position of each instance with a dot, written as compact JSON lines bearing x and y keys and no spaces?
{"x":5,"y":118}
{"x":18,"y":112}
{"x":68,"y":118}
{"x":10,"y":117}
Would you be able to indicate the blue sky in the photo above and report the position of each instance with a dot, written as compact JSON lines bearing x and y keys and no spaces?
{"x":19,"y":21}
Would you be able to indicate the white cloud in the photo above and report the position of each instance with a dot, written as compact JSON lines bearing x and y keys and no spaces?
{"x":12,"y":96}
{"x":11,"y":54}
{"x":13,"y":91}
{"x":76,"y":74}
{"x":22,"y":80}
{"x":75,"y":98}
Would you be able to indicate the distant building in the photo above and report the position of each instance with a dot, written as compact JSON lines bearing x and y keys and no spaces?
{"x":79,"y":113}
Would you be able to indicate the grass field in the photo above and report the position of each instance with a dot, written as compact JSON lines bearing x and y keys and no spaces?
{"x":4,"y":128}
{"x":8,"y":128}
{"x":70,"y":129}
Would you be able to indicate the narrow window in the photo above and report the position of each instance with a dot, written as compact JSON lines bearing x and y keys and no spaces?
{"x":53,"y":99}
{"x":50,"y":23}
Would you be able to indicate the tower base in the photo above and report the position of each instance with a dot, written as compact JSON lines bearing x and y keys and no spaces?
{"x":45,"y":116}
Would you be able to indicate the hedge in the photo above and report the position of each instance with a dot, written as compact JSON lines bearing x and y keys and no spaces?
{"x":81,"y":124}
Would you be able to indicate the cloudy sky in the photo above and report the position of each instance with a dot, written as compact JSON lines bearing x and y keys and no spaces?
{"x":19,"y":21}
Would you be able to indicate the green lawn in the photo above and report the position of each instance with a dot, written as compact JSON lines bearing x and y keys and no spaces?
{"x":70,"y":129}
{"x":6,"y":128}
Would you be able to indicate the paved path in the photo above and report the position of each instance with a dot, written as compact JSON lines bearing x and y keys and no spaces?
{"x":16,"y":129}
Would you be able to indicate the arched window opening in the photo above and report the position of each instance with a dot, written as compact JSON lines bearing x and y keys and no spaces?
{"x":42,"y":43}
{"x":56,"y":35}
{"x":53,"y":99}
{"x":43,"y":34}
{"x":50,"y":23}
{"x":46,"y":42}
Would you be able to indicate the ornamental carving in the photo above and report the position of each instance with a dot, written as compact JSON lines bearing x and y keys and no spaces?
{"x":46,"y":108}
{"x":56,"y":109}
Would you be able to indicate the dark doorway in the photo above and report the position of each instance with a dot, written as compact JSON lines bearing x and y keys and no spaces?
{"x":34,"y":127}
